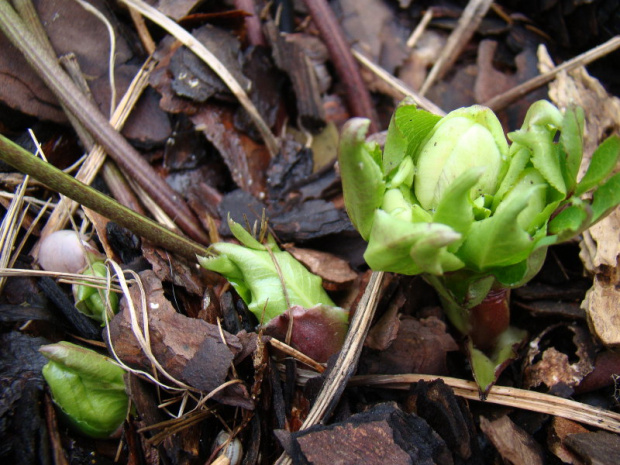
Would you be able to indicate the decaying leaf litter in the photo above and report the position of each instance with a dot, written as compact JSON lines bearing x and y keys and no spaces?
{"x":261,"y":135}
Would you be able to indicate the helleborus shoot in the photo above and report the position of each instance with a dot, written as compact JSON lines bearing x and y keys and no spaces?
{"x":252,"y":269}
{"x":271,"y":281}
{"x":87,"y":387}
{"x":472,"y":211}
{"x":92,"y":301}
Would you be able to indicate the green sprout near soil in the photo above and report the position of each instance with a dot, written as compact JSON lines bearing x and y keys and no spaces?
{"x":452,"y":200}
{"x":277,"y":288}
{"x":88,"y":388}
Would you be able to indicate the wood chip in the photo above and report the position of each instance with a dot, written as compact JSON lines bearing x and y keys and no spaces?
{"x":512,"y":443}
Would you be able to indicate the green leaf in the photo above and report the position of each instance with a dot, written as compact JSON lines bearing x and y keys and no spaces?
{"x":571,"y":140}
{"x":243,"y":235}
{"x":362,"y":179}
{"x":414,"y":124}
{"x":520,"y":273}
{"x":90,"y":300}
{"x":571,"y":220}
{"x":254,"y":275}
{"x":543,"y":113}
{"x":395,"y":148}
{"x":391,"y":242}
{"x":519,"y":158}
{"x":459,"y":291}
{"x":499,"y":240}
{"x":222,"y":264}
{"x":431,"y":255}
{"x":545,"y":154}
{"x":455,"y":206}
{"x":487,"y":368}
{"x":602,"y":163}
{"x":606,"y":198}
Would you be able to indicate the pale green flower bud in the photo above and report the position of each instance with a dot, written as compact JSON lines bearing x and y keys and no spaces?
{"x":466,"y":138}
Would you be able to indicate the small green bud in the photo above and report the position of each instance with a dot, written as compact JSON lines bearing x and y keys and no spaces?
{"x":91,"y":301}
{"x":87,"y":387}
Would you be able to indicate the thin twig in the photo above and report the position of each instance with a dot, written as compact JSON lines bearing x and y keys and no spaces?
{"x":501,"y":101}
{"x":65,"y":184}
{"x":348,"y":357}
{"x":143,"y":32}
{"x":297,"y":355}
{"x":117,"y":146}
{"x":252,"y":22}
{"x":112,"y":55}
{"x":10,"y":226}
{"x":402,"y":89}
{"x":96,"y":157}
{"x":468,"y":23}
{"x":511,"y":397}
{"x":346,"y":67}
{"x":213,"y":62}
{"x":420,"y":28}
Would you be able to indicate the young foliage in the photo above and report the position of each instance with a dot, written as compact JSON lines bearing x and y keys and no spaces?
{"x":269,"y":280}
{"x":456,"y":202}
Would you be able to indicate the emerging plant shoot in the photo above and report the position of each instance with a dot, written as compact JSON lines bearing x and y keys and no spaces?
{"x":451,"y":199}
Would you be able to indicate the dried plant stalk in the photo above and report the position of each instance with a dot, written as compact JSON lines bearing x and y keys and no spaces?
{"x":348,"y":357}
{"x":468,"y":23}
{"x":511,"y":397}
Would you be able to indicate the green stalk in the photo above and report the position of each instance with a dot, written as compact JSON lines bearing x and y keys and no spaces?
{"x":58,"y":181}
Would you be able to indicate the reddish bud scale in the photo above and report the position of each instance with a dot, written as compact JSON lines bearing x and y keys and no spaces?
{"x":490,"y":318}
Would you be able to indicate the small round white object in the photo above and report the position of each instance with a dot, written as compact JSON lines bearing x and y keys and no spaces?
{"x":64,"y":252}
{"x":233,"y":451}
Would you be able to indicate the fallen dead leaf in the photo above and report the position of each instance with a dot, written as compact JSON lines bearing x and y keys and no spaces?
{"x":559,"y":358}
{"x":385,"y":331}
{"x":420,"y":347}
{"x":189,"y":349}
{"x":336,"y":272}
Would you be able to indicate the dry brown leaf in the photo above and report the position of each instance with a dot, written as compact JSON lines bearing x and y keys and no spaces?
{"x":189,"y":349}
{"x":335,"y":272}
{"x":551,"y":364}
{"x":420,"y":347}
{"x":385,"y":331}
{"x":374,"y":27}
{"x":176,"y":9}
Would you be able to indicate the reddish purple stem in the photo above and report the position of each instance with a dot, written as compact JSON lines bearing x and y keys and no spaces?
{"x":358,"y":96}
{"x":490,"y":318}
{"x":252,"y":23}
